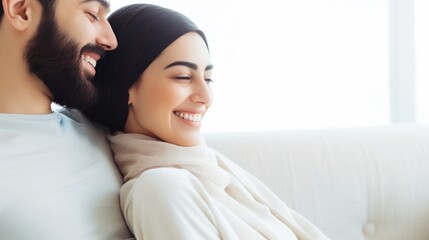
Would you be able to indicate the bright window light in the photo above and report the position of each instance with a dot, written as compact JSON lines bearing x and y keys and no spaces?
{"x":294,"y":63}
{"x":422,"y":60}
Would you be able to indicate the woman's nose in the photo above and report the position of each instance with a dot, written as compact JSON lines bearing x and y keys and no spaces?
{"x":202,"y":92}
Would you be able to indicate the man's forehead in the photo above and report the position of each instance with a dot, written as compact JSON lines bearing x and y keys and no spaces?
{"x":104,"y":3}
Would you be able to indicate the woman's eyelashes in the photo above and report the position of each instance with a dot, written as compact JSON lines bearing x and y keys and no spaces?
{"x":183,"y":77}
{"x":207,"y":79}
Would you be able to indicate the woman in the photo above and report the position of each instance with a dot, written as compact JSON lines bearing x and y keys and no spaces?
{"x":153,"y":92}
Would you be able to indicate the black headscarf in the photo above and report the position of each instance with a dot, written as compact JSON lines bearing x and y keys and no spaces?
{"x":143,"y":31}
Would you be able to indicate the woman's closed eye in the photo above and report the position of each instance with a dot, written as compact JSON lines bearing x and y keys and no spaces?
{"x":183,"y":77}
{"x":208,"y":80}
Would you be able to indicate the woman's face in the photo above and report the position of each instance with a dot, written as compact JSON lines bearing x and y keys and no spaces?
{"x":173,"y":94}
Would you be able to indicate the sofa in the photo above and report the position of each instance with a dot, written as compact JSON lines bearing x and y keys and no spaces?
{"x":353,"y":183}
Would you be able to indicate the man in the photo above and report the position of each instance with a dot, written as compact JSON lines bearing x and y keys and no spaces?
{"x":57,"y":178}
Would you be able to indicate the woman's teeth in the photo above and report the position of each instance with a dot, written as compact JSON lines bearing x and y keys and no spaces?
{"x":191,"y":117}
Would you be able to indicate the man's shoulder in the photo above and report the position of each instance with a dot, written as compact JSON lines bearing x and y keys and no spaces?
{"x":81,"y":123}
{"x":72,"y":114}
{"x":79,"y":117}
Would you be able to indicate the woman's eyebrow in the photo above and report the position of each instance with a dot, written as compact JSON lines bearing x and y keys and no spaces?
{"x":187,"y":64}
{"x":209,"y":67}
{"x":183,"y":63}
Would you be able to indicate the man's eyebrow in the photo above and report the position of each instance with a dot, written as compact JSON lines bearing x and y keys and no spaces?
{"x":103,"y":3}
{"x":187,"y":64}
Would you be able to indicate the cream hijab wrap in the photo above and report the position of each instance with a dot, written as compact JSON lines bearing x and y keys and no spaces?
{"x":242,"y":206}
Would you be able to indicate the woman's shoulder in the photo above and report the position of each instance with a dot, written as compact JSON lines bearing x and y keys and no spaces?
{"x":164,"y":185}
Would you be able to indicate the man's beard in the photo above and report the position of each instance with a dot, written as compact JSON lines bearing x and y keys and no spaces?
{"x":55,"y":58}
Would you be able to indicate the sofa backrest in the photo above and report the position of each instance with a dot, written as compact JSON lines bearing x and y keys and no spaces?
{"x":353,"y":183}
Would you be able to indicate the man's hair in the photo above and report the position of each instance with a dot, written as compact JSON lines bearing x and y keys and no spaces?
{"x":1,"y":11}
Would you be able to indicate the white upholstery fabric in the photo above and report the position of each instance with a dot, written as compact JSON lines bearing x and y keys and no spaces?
{"x":353,"y":183}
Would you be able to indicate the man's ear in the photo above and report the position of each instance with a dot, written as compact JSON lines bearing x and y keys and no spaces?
{"x":19,"y":13}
